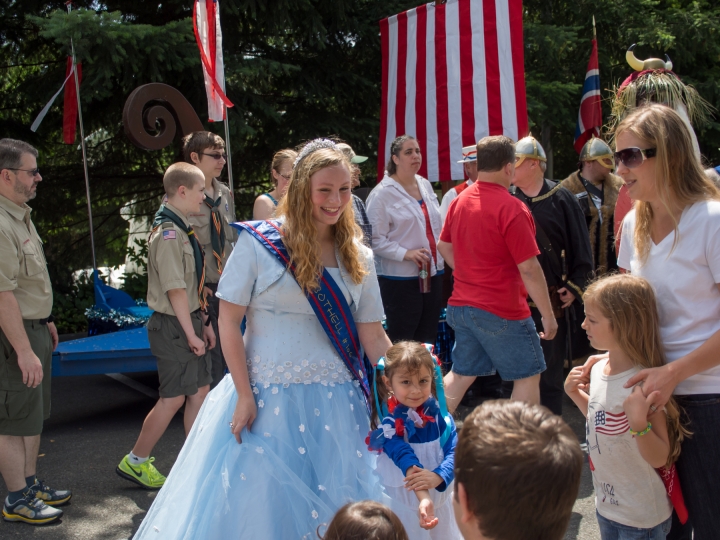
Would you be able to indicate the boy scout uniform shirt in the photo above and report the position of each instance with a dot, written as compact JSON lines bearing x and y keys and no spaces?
{"x":23,"y":269}
{"x":202,"y":221}
{"x":171,"y":265}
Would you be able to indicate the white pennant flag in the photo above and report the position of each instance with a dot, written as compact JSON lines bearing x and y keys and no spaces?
{"x":46,"y":108}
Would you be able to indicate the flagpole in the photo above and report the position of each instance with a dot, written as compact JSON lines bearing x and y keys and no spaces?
{"x":229,"y":158}
{"x":84,"y":151}
{"x":594,"y":32}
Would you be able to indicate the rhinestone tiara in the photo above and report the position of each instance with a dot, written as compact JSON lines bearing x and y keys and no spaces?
{"x":312,"y":146}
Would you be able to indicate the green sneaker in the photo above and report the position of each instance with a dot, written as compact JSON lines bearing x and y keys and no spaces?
{"x":145,"y":474}
{"x":51,"y":497}
{"x":29,"y":509}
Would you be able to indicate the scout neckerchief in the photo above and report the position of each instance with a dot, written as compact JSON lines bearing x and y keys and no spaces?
{"x":165,"y":215}
{"x":217,"y":231}
{"x":328,"y":303}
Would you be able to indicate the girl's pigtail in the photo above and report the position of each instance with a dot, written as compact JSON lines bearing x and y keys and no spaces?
{"x":379,"y":409}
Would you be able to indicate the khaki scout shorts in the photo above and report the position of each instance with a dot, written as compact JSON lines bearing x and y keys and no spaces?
{"x":23,"y":409}
{"x":181,"y":371}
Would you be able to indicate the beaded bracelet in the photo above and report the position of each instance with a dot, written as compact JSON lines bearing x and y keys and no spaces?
{"x":643,"y":432}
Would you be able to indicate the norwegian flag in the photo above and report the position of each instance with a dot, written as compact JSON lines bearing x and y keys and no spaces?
{"x":452,"y":73}
{"x":206,"y":23}
{"x":590,"y":115}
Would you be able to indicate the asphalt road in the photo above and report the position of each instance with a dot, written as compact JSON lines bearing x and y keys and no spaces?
{"x":95,"y":421}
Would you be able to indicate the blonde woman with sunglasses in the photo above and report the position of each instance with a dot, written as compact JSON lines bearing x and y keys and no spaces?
{"x":672,"y":238}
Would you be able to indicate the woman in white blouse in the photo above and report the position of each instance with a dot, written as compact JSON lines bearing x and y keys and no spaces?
{"x":406,"y":224}
{"x":672,"y":238}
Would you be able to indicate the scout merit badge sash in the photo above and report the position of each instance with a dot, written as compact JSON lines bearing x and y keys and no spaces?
{"x":165,"y":215}
{"x":217,"y":231}
{"x":327,"y":302}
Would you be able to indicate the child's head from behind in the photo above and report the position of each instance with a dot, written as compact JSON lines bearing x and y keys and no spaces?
{"x":408,"y":374}
{"x":184,"y":185}
{"x":621,"y":313}
{"x":365,"y":520}
{"x":517,"y":473}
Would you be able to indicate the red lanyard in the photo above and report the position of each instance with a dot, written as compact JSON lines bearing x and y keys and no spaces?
{"x":429,"y":232}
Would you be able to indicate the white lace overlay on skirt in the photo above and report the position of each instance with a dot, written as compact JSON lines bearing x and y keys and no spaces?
{"x":326,"y":372}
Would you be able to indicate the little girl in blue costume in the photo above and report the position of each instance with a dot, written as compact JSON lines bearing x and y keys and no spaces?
{"x":416,"y":440}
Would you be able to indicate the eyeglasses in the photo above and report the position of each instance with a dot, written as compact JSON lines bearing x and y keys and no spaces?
{"x":33,"y":172}
{"x":216,"y":156}
{"x":285,"y":177}
{"x":634,"y":157}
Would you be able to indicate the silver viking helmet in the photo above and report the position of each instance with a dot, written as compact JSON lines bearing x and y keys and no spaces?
{"x":528,"y":148}
{"x":650,"y":63}
{"x":597,"y":150}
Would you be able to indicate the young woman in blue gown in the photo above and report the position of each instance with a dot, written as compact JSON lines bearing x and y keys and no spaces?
{"x":278,"y":447}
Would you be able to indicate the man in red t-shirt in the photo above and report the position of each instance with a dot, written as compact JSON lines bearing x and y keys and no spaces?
{"x":489,"y":240}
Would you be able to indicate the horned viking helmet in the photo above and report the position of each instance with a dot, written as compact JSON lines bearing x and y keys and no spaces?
{"x":650,"y":63}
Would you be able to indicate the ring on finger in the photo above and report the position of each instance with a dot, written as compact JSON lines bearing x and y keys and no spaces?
{"x":653,"y":408}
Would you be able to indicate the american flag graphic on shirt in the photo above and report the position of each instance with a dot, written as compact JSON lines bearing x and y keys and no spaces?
{"x":611,"y":424}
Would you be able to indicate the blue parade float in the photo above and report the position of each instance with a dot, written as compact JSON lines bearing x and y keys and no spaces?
{"x":117,"y":339}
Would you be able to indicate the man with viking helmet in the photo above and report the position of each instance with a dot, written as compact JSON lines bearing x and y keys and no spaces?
{"x":654,"y":81}
{"x":596,"y":189}
{"x":565,"y":257}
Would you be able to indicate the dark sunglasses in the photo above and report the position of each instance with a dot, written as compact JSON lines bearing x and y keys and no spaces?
{"x":33,"y":172}
{"x":216,"y":156}
{"x":633,"y":157}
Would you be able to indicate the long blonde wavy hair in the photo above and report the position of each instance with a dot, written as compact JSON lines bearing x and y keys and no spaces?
{"x":680,"y":179}
{"x":300,"y":232}
{"x":629,"y":303}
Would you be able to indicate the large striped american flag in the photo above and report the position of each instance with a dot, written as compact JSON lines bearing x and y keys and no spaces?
{"x":452,"y":74}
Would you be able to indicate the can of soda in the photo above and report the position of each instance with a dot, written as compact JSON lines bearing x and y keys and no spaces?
{"x":424,"y":277}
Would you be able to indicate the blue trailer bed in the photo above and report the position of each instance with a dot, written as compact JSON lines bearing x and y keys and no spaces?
{"x":119,"y":352}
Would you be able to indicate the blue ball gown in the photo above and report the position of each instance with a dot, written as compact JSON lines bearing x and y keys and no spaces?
{"x":305,"y":454}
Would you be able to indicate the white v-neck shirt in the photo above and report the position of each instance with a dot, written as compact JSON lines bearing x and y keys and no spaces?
{"x":685,"y":282}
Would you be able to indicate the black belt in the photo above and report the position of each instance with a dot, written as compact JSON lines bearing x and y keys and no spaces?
{"x":46,"y":320}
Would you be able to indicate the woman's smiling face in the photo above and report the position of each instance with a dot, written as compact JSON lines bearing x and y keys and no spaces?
{"x":330,"y":190}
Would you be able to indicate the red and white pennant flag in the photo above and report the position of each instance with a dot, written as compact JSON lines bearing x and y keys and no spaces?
{"x":452,"y":74}
{"x":206,"y":23}
{"x":70,"y":111}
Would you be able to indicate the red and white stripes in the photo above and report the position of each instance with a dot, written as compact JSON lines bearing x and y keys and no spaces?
{"x":451,"y":74}
{"x":206,"y":25}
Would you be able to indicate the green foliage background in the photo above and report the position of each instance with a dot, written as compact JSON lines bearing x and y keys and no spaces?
{"x":295,"y":69}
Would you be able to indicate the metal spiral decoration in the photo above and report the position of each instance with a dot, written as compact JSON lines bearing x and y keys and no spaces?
{"x":152,"y":113}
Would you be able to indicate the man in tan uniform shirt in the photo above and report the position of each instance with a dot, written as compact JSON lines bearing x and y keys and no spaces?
{"x":27,"y":339}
